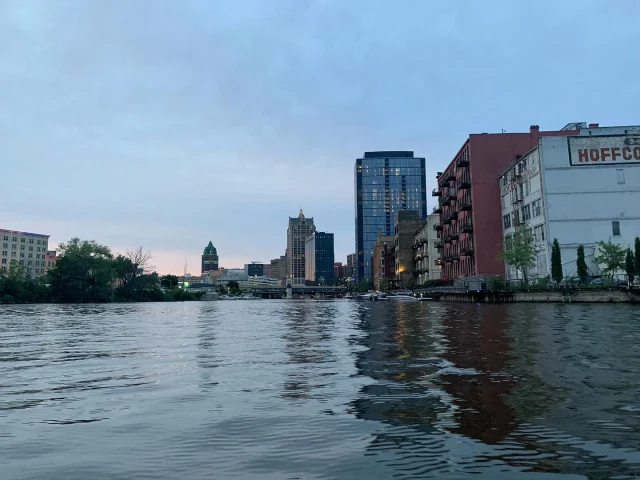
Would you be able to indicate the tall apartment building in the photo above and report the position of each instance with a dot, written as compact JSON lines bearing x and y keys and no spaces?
{"x":468,"y":200}
{"x":427,"y":258}
{"x":580,"y":189}
{"x":28,"y":249}
{"x":300,"y":228}
{"x":406,"y":224}
{"x":209,"y":258}
{"x":386,"y":182}
{"x":319,"y":258}
{"x":351,"y":264}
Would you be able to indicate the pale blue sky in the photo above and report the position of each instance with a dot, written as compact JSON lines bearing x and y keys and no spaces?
{"x":172,"y":123}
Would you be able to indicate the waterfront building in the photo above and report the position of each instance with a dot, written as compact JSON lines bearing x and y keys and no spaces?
{"x":266,"y":270}
{"x":382,"y":263}
{"x":209,"y":258}
{"x":254,"y":269}
{"x":50,"y":260}
{"x":319,"y":258}
{"x":468,"y":203}
{"x":580,"y":188}
{"x":28,"y":249}
{"x":351,"y":264}
{"x":385,"y":183}
{"x":278,"y":268}
{"x":300,"y":228}
{"x":426,"y":250}
{"x":406,"y":224}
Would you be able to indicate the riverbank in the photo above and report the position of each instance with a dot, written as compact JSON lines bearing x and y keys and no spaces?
{"x":542,"y":296}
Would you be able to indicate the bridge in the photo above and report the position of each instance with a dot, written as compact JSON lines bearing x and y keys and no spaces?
{"x":298,"y":290}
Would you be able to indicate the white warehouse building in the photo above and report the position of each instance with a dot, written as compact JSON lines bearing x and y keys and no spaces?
{"x":581,"y":189}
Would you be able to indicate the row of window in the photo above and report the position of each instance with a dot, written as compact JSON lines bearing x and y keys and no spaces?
{"x":528,"y":211}
{"x":22,"y":247}
{"x":23,"y":240}
{"x":5,"y":253}
{"x":4,"y":260}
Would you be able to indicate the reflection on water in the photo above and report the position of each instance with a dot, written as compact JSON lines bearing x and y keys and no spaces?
{"x":304,"y":389}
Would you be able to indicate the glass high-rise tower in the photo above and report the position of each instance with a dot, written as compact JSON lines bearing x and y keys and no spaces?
{"x":385,"y":182}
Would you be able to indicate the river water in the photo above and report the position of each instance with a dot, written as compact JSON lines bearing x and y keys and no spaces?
{"x":319,"y":390}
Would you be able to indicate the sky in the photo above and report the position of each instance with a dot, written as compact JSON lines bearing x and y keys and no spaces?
{"x":170,"y":123}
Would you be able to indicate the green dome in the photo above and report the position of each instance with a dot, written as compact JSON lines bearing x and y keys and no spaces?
{"x":210,"y":250}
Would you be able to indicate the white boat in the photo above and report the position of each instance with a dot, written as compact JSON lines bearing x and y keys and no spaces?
{"x":403,"y":297}
{"x":349,"y":296}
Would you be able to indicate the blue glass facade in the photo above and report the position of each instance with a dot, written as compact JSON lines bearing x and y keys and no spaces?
{"x":324,"y":257}
{"x":385,"y":182}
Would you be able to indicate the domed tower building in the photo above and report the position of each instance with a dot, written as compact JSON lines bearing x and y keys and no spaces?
{"x":209,"y":259}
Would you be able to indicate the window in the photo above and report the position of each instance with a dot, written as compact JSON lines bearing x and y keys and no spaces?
{"x":21,"y":255}
{"x":22,"y":240}
{"x":6,"y":238}
{"x":4,"y":260}
{"x":4,"y":252}
{"x":616,"y":228}
{"x":29,"y":262}
{"x":38,"y":263}
{"x":538,"y":233}
{"x":5,"y":245}
{"x":21,"y":247}
{"x":526,"y":213}
{"x":21,"y":262}
{"x":31,"y":255}
{"x":31,"y":240}
{"x":14,"y":239}
{"x":14,"y":246}
{"x":38,"y":248}
{"x":620,"y":176}
{"x":13,"y":254}
{"x":506,"y":221}
{"x":31,"y":249}
{"x":536,"y":207}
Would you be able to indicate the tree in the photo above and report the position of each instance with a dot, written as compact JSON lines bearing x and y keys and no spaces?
{"x":637,"y":255}
{"x":84,"y":272}
{"x":611,"y":256}
{"x":169,"y":281}
{"x":383,"y":284}
{"x":556,"y":261}
{"x":234,"y":287}
{"x":519,"y":250}
{"x":581,"y":265}
{"x":630,"y":265}
{"x":221,"y":290}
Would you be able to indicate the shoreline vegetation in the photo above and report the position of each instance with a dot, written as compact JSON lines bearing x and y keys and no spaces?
{"x":87,"y":272}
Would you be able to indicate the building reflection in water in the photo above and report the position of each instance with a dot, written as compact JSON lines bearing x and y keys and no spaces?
{"x":308,"y":328}
{"x":437,"y":366}
{"x":207,"y":356}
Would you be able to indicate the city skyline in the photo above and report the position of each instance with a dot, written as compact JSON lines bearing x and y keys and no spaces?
{"x":190,"y":122}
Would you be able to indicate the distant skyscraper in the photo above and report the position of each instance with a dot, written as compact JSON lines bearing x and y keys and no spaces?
{"x":386,"y":182}
{"x":319,"y":258}
{"x":299,"y":229}
{"x":209,"y":258}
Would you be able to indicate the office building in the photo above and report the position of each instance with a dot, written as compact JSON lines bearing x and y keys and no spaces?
{"x":382,"y":262}
{"x":254,"y":269}
{"x":319,"y":257}
{"x":50,"y":260}
{"x":300,"y":228}
{"x":278,"y":268}
{"x":426,"y":251}
{"x":209,"y":258}
{"x":468,"y":203}
{"x":385,"y":182}
{"x":28,"y":249}
{"x":581,"y":189}
{"x":406,"y":224}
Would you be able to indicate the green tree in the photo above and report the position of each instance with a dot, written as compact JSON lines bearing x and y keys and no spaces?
{"x":637,"y":255}
{"x":221,"y":290}
{"x":519,"y":250}
{"x":169,"y":281}
{"x":84,"y":272}
{"x":581,"y":265}
{"x":611,"y":257}
{"x":630,"y":265}
{"x":234,"y":287}
{"x":556,"y":261}
{"x":384,"y":284}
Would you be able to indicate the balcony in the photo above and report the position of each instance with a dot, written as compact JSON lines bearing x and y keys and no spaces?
{"x":437,"y":227}
{"x":451,"y":216}
{"x":467,"y":248}
{"x":447,"y":238}
{"x":437,"y":209}
{"x":464,"y":204}
{"x":435,"y":192}
{"x":463,"y":183}
{"x":452,"y":194}
{"x":443,"y":182}
{"x":450,"y":175}
{"x":455,"y":235}
{"x":439,"y":244}
{"x":462,"y":160}
{"x":467,"y":226}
